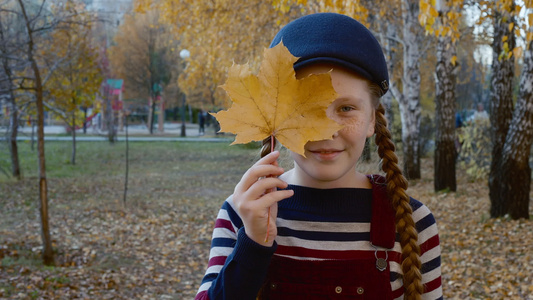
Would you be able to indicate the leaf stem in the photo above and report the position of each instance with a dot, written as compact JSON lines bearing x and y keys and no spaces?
{"x":272,"y":141}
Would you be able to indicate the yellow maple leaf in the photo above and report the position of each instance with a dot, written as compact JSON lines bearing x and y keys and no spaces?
{"x":275,"y":103}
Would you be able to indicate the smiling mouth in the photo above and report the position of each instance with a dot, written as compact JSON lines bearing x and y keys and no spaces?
{"x":326,"y":155}
{"x":325,"y":151}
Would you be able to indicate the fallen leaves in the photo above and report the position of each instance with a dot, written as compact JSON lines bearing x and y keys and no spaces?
{"x":482,"y":258}
{"x":157,"y":247}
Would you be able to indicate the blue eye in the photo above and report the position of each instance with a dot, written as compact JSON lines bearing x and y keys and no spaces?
{"x":346,"y":108}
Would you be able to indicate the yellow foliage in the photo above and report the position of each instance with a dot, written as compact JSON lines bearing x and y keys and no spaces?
{"x":215,"y":33}
{"x":433,"y":12}
{"x":142,"y":6}
{"x":275,"y":103}
{"x":441,"y":25}
{"x":454,"y":60}
{"x":138,"y":54}
{"x":77,"y":77}
{"x":509,"y":9}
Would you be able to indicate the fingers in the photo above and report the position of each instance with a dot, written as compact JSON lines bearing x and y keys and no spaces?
{"x":263,"y":193}
{"x":258,"y":207}
{"x":268,"y":199}
{"x":256,"y":196}
{"x":262,"y":168}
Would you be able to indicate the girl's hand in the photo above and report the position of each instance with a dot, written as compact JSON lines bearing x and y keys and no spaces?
{"x":256,"y":193}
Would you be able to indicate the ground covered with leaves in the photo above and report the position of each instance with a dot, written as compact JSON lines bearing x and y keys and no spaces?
{"x":155,"y":245}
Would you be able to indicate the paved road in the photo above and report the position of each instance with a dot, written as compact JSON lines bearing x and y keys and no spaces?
{"x":171,"y":132}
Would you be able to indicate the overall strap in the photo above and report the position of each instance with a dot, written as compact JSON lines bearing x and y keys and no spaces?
{"x":383,"y":223}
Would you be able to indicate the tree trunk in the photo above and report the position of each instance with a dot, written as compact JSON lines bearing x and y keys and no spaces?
{"x":73,"y":129}
{"x":48,"y":253}
{"x":32,"y":135}
{"x":515,"y":178}
{"x":445,"y":152}
{"x":84,"y":120}
{"x":127,"y":162}
{"x":387,"y":44}
{"x":109,"y":116}
{"x":501,"y":107}
{"x":13,"y":117}
{"x":13,"y":146}
{"x":183,"y":129}
{"x":152,"y":114}
{"x":161,"y":117}
{"x":410,"y":100}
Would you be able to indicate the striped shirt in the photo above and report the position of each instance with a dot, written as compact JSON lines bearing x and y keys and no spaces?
{"x":314,"y":224}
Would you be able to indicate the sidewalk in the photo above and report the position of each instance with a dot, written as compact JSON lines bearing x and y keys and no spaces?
{"x":136,"y":129}
{"x":171,"y":132}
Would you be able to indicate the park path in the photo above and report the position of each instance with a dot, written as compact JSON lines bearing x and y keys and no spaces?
{"x":136,"y":133}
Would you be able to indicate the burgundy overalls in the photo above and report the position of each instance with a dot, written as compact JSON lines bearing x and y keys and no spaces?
{"x":340,"y":279}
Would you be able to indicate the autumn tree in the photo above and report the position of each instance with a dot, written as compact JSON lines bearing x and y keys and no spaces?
{"x":36,"y":24}
{"x":409,"y":97}
{"x":503,"y":74}
{"x":141,"y":56}
{"x":77,"y":78}
{"x":515,"y":171}
{"x":511,"y":132}
{"x":215,"y":33}
{"x":39,"y":20}
{"x":441,"y":18}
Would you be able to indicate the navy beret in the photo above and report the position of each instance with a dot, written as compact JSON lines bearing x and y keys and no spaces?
{"x":336,"y":39}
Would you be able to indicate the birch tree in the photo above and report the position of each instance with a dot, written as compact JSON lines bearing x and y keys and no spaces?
{"x":445,"y":152}
{"x":515,"y":172}
{"x":510,"y":174}
{"x":442,"y":21}
{"x":409,"y":98}
{"x":501,"y":98}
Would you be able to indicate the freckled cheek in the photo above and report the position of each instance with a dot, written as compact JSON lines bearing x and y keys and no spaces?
{"x":351,"y":125}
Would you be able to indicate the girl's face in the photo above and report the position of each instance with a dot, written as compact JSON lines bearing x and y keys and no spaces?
{"x":332,"y":163}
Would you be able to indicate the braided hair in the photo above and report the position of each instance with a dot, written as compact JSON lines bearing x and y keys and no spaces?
{"x":396,"y":188}
{"x":267,"y":146}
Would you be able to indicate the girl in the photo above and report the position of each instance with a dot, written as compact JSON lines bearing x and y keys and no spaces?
{"x":333,"y":231}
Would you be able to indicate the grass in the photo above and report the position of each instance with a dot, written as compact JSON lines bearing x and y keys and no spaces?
{"x":157,"y":171}
{"x":102,"y":159}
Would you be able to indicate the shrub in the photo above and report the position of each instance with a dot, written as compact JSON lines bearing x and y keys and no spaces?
{"x":475,"y":148}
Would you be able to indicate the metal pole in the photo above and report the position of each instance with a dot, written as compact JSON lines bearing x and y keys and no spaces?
{"x":183,"y":133}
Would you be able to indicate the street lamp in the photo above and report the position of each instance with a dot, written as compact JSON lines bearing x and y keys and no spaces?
{"x":184,"y":54}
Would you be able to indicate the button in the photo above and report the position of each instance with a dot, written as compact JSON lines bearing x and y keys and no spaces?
{"x":360,"y":290}
{"x":273,"y":286}
{"x":338,"y":290}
